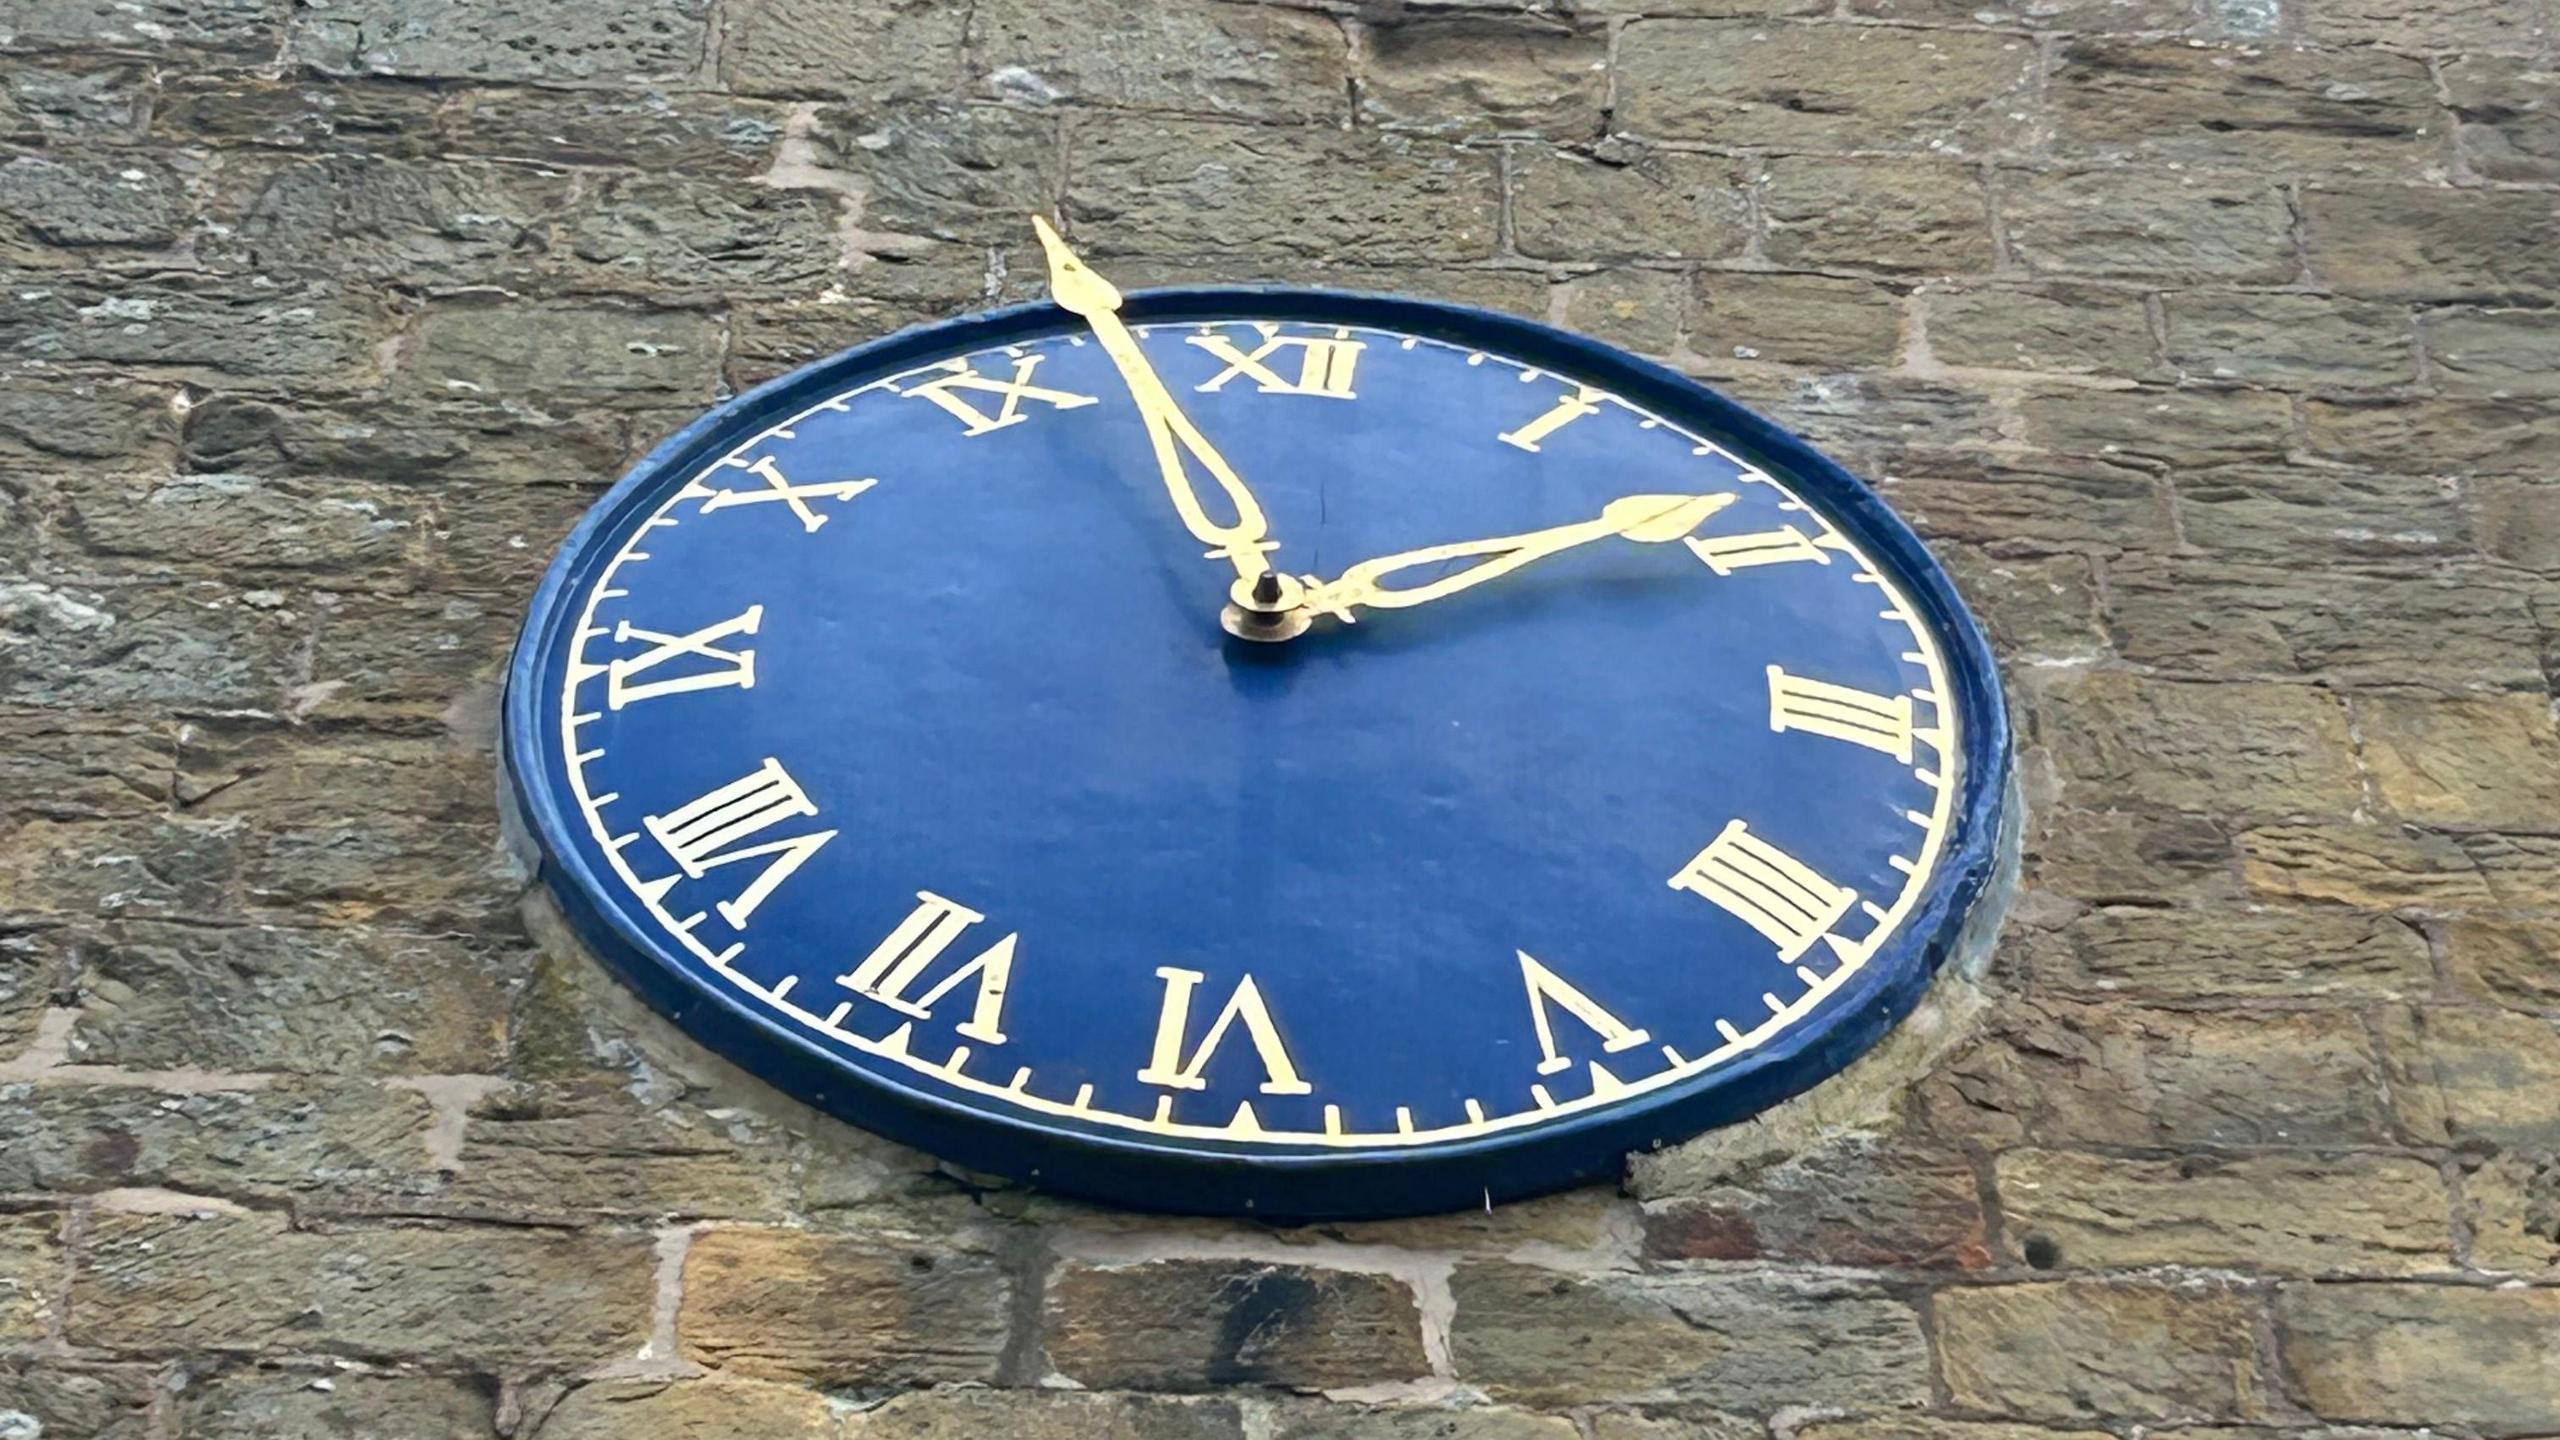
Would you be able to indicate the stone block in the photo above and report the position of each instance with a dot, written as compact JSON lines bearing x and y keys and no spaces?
{"x":941,"y":171}
{"x":2493,"y":352}
{"x":1832,"y":322}
{"x":2166,"y":101}
{"x":2372,"y":867}
{"x":827,"y":1310}
{"x":2511,"y":1205}
{"x":1646,"y":311}
{"x":2032,"y":607}
{"x":1198,"y":1324}
{"x":521,"y":1298}
{"x":1740,"y":82}
{"x":1200,"y":189}
{"x":1658,"y":205}
{"x":690,"y":1410}
{"x":2288,"y":339}
{"x":2179,"y":429}
{"x":67,"y":207}
{"x":2506,"y":112}
{"x":2519,"y":521}
{"x":86,"y":1399}
{"x":2083,"y":1350}
{"x":595,"y":351}
{"x":1856,"y":1200}
{"x":664,"y":133}
{"x":2335,"y":1215}
{"x":2193,"y":955}
{"x":2444,"y":25}
{"x":232,"y":109}
{"x":2077,"y":17}
{"x":2490,"y":760}
{"x":238,"y":30}
{"x":1545,"y":1338}
{"x":2423,"y":434}
{"x":445,"y":435}
{"x":45,"y":421}
{"x":2299,"y":515}
{"x":1907,"y":215}
{"x":1055,"y":1415}
{"x":1189,"y":57}
{"x":323,"y":1145}
{"x":654,"y":235}
{"x":2146,"y":858}
{"x":272,"y":1404}
{"x":1488,"y":72}
{"x":395,"y":221}
{"x":219,"y":332}
{"x":81,"y":99}
{"x":843,"y":49}
{"x":2226,"y":749}
{"x":2440,"y":625}
{"x":345,"y":1001}
{"x":2430,"y":242}
{"x":2030,"y":504}
{"x":2422,"y":1354}
{"x":571,"y":1154}
{"x":2144,"y":225}
{"x":2513,"y":961}
{"x":553,"y":41}
{"x":30,"y":1277}
{"x":73,"y":765}
{"x":2056,"y":329}
{"x":196,"y":645}
{"x":2474,"y":1077}
{"x":2058,"y":1074}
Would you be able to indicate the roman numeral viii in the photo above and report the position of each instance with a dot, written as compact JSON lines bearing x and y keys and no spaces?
{"x":732,"y":824}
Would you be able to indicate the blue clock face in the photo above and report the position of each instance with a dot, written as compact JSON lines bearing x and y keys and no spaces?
{"x":883,"y":729}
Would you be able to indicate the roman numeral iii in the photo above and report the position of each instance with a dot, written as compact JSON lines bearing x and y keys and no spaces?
{"x":1767,"y":889}
{"x":1169,"y":1067}
{"x":895,"y":965}
{"x":1725,"y":554}
{"x":720,"y":667}
{"x":1324,"y":365}
{"x":725,"y":827}
{"x":1879,"y":722}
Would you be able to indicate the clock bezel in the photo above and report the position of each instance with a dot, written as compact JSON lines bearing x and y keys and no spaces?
{"x":1196,"y":1177}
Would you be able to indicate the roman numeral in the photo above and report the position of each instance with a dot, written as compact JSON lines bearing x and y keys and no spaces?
{"x":1546,"y":988}
{"x":1324,"y":365}
{"x":1767,"y":889}
{"x":899,"y":961}
{"x":779,"y":489}
{"x":1583,"y":401}
{"x":1725,"y":554}
{"x":1879,"y":722}
{"x":945,"y":392}
{"x":725,"y":667}
{"x":1173,"y":1022}
{"x":722,"y":828}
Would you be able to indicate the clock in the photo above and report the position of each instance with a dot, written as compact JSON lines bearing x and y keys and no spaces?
{"x":1258,"y":750}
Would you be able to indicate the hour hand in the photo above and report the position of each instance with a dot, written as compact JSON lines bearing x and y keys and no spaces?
{"x":1646,"y":519}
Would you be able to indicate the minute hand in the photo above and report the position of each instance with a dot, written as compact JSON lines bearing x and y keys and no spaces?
{"x":1080,"y":291}
{"x":1647,"y":519}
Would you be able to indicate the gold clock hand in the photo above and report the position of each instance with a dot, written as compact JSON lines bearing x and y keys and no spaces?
{"x":1648,"y":519}
{"x":1266,"y":596}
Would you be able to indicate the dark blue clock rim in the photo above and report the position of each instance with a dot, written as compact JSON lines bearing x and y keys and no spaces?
{"x":1157,"y":1173}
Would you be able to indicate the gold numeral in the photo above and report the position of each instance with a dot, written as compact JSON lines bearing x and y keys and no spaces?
{"x":1173,"y":1022}
{"x":795,"y":496}
{"x":1725,"y":554}
{"x":721,"y":829}
{"x":1545,"y":988}
{"x":726,"y":667}
{"x":1324,"y":365}
{"x":945,"y":393}
{"x":1583,"y":401}
{"x":1767,"y":889}
{"x":1879,"y":722}
{"x":898,"y":962}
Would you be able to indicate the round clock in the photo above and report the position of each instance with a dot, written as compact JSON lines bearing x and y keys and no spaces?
{"x":1259,"y":750}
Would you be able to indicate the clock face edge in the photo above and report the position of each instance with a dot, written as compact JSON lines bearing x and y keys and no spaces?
{"x":1421,"y":1178}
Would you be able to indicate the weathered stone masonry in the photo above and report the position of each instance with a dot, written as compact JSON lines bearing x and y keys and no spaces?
{"x":2212,"y":341}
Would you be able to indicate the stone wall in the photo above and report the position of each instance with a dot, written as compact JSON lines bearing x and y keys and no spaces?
{"x":2212,"y":343}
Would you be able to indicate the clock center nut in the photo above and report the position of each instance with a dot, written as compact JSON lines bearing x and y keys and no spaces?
{"x":1267,"y":607}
